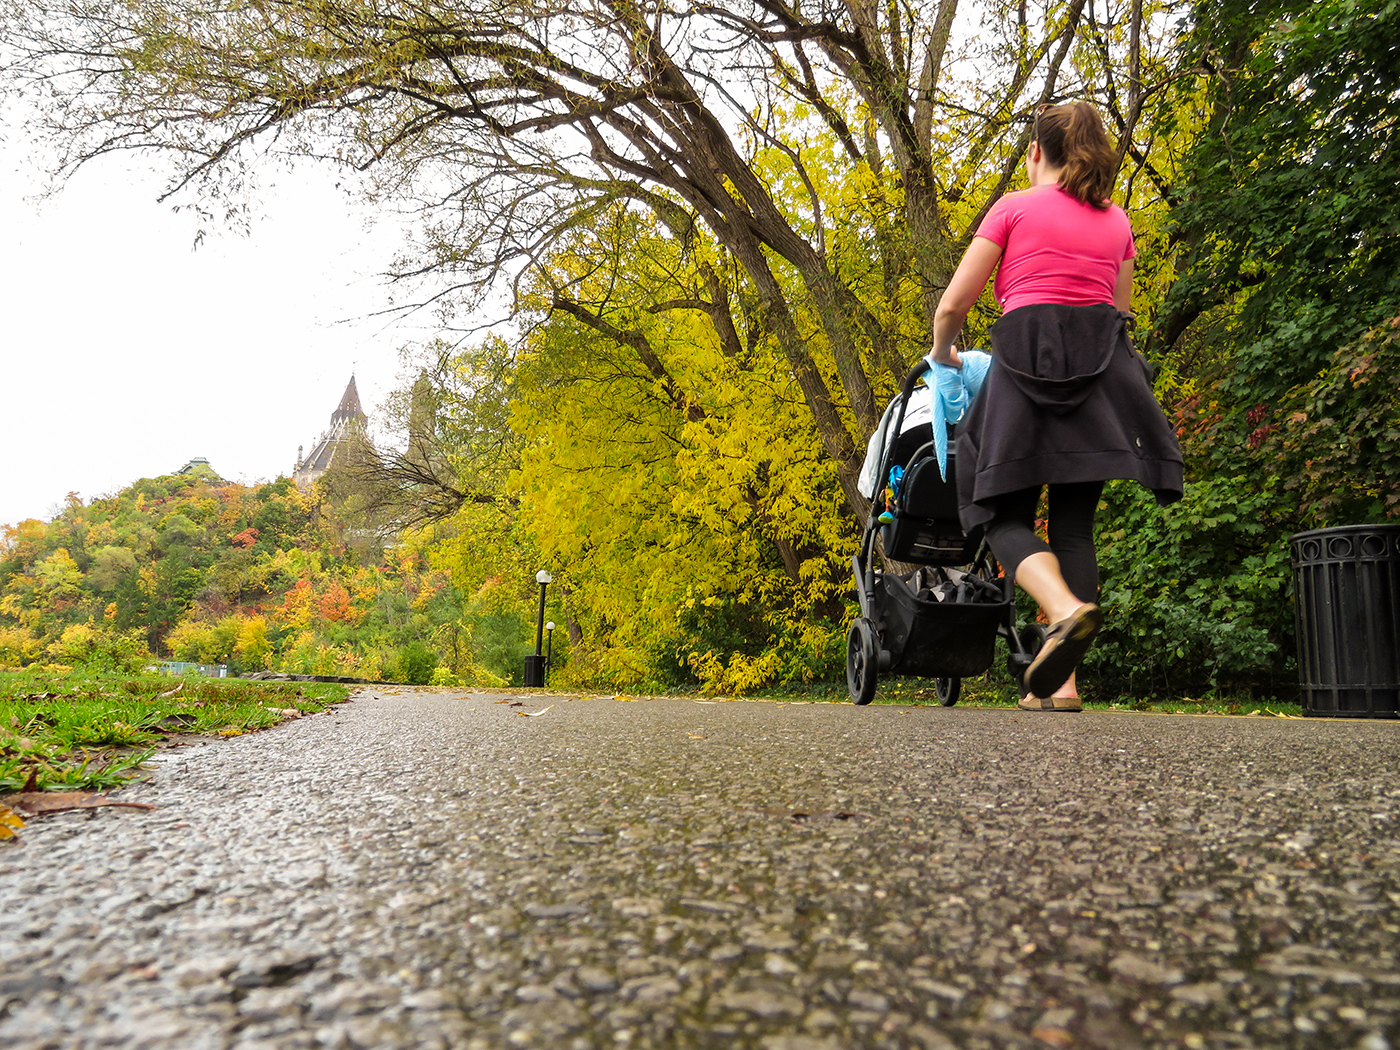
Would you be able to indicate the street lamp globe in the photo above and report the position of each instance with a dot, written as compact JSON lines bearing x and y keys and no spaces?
{"x":543,"y":576}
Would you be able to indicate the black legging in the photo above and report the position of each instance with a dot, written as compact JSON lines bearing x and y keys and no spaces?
{"x":1012,"y":537}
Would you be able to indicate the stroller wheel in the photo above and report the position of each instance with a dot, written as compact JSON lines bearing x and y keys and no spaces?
{"x":1032,"y":638}
{"x":862,"y":661}
{"x":947,"y":690}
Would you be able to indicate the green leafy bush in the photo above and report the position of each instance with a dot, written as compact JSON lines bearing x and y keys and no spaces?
{"x":1197,"y":596}
{"x":416,"y":664}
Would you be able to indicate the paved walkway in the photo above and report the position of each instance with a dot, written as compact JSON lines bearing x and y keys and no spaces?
{"x":430,"y":869}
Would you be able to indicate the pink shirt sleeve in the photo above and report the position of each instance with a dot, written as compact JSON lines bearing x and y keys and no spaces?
{"x":996,"y":223}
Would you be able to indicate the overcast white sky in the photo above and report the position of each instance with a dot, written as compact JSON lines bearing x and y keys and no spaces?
{"x":125,"y":352}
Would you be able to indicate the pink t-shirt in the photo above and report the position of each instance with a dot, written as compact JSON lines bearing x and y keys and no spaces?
{"x":1055,"y":249}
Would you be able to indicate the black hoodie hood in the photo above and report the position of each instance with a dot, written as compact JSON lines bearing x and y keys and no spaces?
{"x":1054,"y":353}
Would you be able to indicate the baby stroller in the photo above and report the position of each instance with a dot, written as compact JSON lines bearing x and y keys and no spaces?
{"x":941,"y":620}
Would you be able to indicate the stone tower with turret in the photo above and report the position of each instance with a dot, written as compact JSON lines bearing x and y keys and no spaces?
{"x":347,"y":418}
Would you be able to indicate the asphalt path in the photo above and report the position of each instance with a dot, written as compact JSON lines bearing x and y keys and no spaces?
{"x":431,"y":869}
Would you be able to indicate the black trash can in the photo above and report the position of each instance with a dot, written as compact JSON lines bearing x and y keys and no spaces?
{"x":534,"y":671}
{"x":1347,"y":609}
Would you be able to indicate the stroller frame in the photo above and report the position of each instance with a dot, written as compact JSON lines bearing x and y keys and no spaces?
{"x":897,"y":632}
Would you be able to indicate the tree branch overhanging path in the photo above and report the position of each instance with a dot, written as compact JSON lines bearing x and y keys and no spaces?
{"x":515,"y":124}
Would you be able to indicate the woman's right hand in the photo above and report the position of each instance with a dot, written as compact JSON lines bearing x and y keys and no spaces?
{"x":951,"y":357}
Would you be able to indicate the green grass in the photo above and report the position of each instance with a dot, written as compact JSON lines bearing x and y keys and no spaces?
{"x":996,"y":689}
{"x":92,"y":730}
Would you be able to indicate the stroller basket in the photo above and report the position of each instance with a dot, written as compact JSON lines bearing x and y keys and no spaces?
{"x":949,"y":639}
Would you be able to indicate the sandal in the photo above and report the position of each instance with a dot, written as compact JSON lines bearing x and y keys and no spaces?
{"x":1065,"y":645}
{"x":1050,"y":703}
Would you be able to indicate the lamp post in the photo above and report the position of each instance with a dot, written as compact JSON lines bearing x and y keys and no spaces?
{"x":549,"y":651}
{"x":534,"y":665}
{"x":544,"y":579}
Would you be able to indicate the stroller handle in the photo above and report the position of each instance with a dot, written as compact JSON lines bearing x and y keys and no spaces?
{"x":915,"y":374}
{"x":866,"y":574}
{"x":891,"y":431}
{"x":921,"y":366}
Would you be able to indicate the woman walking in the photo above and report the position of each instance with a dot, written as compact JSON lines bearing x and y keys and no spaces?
{"x":1068,"y":403}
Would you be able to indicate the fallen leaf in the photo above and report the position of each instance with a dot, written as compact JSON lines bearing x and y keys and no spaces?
{"x":704,"y":701}
{"x":1053,"y":1036}
{"x":39,"y":803}
{"x":534,"y":714}
{"x":697,"y":736}
{"x":10,"y":823}
{"x":171,"y":692}
{"x":516,"y":703}
{"x":505,"y":701}
{"x":31,"y":782}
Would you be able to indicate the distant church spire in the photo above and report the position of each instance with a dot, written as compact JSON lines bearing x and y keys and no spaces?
{"x":347,"y":417}
{"x":349,"y":408}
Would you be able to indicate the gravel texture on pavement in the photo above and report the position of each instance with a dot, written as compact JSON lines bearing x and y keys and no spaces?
{"x":430,"y":869}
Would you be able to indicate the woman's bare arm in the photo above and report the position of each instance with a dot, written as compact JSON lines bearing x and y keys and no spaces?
{"x":963,"y":290}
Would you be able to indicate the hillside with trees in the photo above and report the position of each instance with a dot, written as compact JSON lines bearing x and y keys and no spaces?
{"x":197,"y":569}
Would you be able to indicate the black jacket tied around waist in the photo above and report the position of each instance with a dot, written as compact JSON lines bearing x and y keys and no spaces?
{"x":1068,"y":399}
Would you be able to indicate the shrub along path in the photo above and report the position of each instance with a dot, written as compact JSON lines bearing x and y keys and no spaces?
{"x":423,"y":869}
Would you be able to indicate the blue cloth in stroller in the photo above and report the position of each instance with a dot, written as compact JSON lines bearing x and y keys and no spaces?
{"x":943,"y":397}
{"x":952,"y":393}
